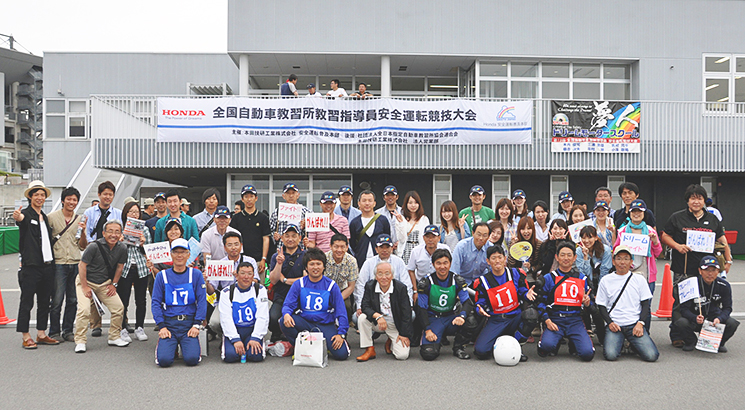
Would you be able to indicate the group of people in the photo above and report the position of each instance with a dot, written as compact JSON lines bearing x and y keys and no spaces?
{"x":480,"y":274}
{"x":289,"y":89}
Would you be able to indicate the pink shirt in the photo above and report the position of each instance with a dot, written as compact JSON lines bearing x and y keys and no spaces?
{"x":323,"y":239}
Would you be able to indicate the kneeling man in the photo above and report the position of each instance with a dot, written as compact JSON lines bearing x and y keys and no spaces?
{"x":244,"y":317}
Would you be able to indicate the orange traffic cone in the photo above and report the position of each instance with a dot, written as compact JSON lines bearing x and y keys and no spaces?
{"x":666,"y":296}
{"x":3,"y":319}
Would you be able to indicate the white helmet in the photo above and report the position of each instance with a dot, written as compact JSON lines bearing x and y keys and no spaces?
{"x":507,"y":351}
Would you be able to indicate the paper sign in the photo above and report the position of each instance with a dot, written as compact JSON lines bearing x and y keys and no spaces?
{"x":521,"y":251}
{"x":710,"y":337}
{"x":688,"y":289}
{"x":219,"y":270}
{"x":291,"y":213}
{"x":317,"y":222}
{"x":700,"y":241}
{"x":133,"y":230}
{"x":574,"y":229}
{"x":638,"y":244}
{"x":158,"y":252}
{"x":194,"y":250}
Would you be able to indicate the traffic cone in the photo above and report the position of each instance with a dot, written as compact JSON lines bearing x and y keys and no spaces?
{"x":665,"y":309}
{"x":3,"y":319}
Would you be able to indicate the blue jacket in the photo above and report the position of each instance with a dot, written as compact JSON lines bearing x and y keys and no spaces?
{"x":336,"y":309}
{"x":198,"y":309}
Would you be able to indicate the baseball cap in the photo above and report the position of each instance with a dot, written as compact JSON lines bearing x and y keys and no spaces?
{"x":291,"y":227}
{"x":249,"y":188}
{"x":565,"y":196}
{"x":327,"y":196}
{"x":638,"y":204}
{"x":477,"y":189}
{"x":601,"y":204}
{"x":384,"y":239}
{"x":345,"y":189}
{"x":173,"y":221}
{"x":390,"y":189}
{"x":311,"y":85}
{"x":433,"y":229}
{"x":159,"y":195}
{"x":519,"y":193}
{"x":129,"y":199}
{"x":709,"y":261}
{"x":622,"y":248}
{"x":289,"y":186}
{"x":180,"y":243}
{"x":185,"y":201}
{"x":223,"y":211}
{"x":148,"y":202}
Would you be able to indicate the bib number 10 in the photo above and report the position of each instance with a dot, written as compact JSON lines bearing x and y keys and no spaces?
{"x":317,"y":303}
{"x":573,"y":290}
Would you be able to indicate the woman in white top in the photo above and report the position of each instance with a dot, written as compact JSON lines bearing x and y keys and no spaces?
{"x":505,"y":212}
{"x":604,"y":226}
{"x":452,"y":229}
{"x":540,"y":213}
{"x":410,"y":226}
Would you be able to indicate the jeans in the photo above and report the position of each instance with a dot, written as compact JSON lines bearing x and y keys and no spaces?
{"x":125,"y":290}
{"x":644,"y":345}
{"x":64,"y":279}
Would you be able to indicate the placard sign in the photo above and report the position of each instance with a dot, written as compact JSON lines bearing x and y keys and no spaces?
{"x":158,"y":252}
{"x":219,"y":270}
{"x":710,"y":337}
{"x":700,"y":241}
{"x":133,"y":230}
{"x":317,"y":222}
{"x":688,"y":289}
{"x":637,"y":243}
{"x":291,"y":213}
{"x":574,"y":229}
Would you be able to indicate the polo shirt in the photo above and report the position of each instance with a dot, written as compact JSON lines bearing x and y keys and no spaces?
{"x":420,"y":260}
{"x":323,"y":239}
{"x":211,"y":242}
{"x":677,"y":226}
{"x":253,"y":228}
{"x":97,"y":272}
{"x":291,"y":268}
{"x":485,"y":214}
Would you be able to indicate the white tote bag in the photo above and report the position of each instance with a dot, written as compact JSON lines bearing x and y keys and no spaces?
{"x":310,"y":350}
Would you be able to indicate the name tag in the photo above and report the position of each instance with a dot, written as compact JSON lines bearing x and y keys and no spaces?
{"x":34,"y":222}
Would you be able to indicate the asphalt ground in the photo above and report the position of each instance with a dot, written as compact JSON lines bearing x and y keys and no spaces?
{"x":55,"y":377}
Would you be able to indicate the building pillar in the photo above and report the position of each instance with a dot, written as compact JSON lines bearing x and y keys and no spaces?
{"x":385,"y":76}
{"x":243,"y":67}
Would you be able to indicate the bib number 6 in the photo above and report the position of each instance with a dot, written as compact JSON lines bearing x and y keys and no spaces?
{"x":443,"y":300}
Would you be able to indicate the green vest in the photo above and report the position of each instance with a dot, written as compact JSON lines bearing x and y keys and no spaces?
{"x":442,"y":299}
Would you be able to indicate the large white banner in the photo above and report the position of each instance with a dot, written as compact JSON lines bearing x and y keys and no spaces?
{"x":318,"y":120}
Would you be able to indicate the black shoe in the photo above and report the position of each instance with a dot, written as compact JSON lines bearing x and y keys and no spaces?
{"x":156,"y":328}
{"x":129,"y":328}
{"x":445,"y":341}
{"x":69,"y":337}
{"x":96,"y":332}
{"x":523,"y":358}
{"x":689,"y":347}
{"x":722,"y":349}
{"x":461,"y":354}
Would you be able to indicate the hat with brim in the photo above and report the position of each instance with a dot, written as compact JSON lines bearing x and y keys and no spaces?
{"x":180,"y":243}
{"x":36,"y":185}
{"x":622,"y":248}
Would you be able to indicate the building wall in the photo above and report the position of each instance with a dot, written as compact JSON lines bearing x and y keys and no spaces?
{"x":62,"y":159}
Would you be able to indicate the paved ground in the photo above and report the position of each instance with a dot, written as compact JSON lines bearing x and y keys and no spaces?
{"x":53,"y":376}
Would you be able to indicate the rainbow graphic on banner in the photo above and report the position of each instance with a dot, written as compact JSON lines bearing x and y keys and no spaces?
{"x":625,"y":119}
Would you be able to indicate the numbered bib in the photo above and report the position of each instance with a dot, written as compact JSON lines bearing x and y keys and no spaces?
{"x":442,"y":299}
{"x":314,"y":303}
{"x":179,"y":295}
{"x":570,"y":292}
{"x":244,"y":314}
{"x":503,"y":298}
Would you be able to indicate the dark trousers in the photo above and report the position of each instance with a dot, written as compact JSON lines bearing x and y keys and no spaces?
{"x":165,"y":350}
{"x":686,"y":329}
{"x":124,"y":290}
{"x":39,"y":281}
{"x":275,"y":315}
{"x":495,"y":326}
{"x":64,"y":288}
{"x":229,"y":354}
{"x":572,"y":328}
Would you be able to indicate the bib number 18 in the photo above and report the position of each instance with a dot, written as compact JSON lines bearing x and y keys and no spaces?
{"x":317,"y":303}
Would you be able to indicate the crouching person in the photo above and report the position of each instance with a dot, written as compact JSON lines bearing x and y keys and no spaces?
{"x":244,"y":317}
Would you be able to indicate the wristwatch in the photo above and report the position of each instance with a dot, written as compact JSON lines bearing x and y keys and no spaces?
{"x":284,"y":280}
{"x":115,"y":284}
{"x":642,"y":322}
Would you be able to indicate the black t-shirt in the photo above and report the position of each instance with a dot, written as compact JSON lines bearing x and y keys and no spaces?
{"x":291,"y":268}
{"x":677,"y":226}
{"x":253,"y":228}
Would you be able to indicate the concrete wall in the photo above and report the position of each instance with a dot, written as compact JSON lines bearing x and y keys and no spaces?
{"x":61,"y":159}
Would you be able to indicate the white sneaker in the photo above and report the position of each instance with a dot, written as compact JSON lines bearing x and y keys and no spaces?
{"x":124,"y":335}
{"x":140,"y":334}
{"x":118,"y":342}
{"x":80,"y":348}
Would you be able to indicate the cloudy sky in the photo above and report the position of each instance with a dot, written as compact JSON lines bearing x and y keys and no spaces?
{"x":134,"y":25}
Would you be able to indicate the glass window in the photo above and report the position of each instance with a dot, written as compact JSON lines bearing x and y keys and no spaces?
{"x":77,"y":127}
{"x":586,"y":91}
{"x":558,"y":183}
{"x":717,"y":90}
{"x":501,"y":188}
{"x":524,"y":89}
{"x":586,"y":71}
{"x":717,"y":64}
{"x":407,"y":83}
{"x":438,"y":84}
{"x":739,"y":89}
{"x":556,"y":70}
{"x":616,"y":91}
{"x":740,"y":66}
{"x":493,"y":89}
{"x":555,"y":90}
{"x":55,"y":106}
{"x":616,"y":71}
{"x":495,"y":69}
{"x":55,"y":127}
{"x":78,"y":106}
{"x":442,"y":192}
{"x":614,"y":181}
{"x":261,"y":182}
{"x":524,"y":69}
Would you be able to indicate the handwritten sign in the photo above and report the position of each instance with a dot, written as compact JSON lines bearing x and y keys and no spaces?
{"x":700,"y":241}
{"x":688,"y":289}
{"x":158,"y":252}
{"x":638,"y":244}
{"x":133,"y":230}
{"x":317,"y":222}
{"x":219,"y":270}
{"x":710,"y":337}
{"x":574,"y":229}
{"x":521,"y":251}
{"x":291,"y":213}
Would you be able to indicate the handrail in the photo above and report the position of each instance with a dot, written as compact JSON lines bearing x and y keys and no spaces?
{"x":72,"y":180}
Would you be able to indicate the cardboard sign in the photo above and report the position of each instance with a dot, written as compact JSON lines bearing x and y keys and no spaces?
{"x":133,"y":230}
{"x":688,"y":289}
{"x":638,"y":244}
{"x":219,"y":270}
{"x":574,"y":229}
{"x":291,"y":213}
{"x":317,"y":222}
{"x":158,"y":252}
{"x":521,"y":251}
{"x":700,"y":241}
{"x":710,"y":337}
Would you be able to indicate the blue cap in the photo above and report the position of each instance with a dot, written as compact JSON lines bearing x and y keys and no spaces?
{"x":565,"y":196}
{"x":161,"y":195}
{"x":638,"y":204}
{"x":222,"y":210}
{"x":601,"y":204}
{"x":249,"y":188}
{"x":172,"y":221}
{"x":390,"y":189}
{"x":345,"y":189}
{"x":180,"y":243}
{"x":709,"y":261}
{"x":433,"y":229}
{"x":291,"y":227}
{"x":477,"y":189}
{"x":289,"y":186}
{"x":328,"y":196}
{"x":311,"y":85}
{"x":519,"y":193}
{"x":384,"y":239}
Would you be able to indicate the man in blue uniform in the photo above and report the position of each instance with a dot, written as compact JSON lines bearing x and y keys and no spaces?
{"x":443,"y":306}
{"x":564,"y":293}
{"x":315,"y":301}
{"x":179,"y":307}
{"x":498,"y":296}
{"x":244,"y":317}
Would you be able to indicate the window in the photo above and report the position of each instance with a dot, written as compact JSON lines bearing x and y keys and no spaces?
{"x":77,"y":116}
{"x":724,"y":83}
{"x":501,"y":187}
{"x":54,"y":123}
{"x":442,"y":191}
{"x":558,"y":183}
{"x":5,"y":161}
{"x":615,"y":181}
{"x":710,"y":185}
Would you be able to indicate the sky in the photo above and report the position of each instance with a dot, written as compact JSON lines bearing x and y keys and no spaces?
{"x":191,"y":26}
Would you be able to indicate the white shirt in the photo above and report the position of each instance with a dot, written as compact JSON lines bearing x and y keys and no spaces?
{"x":368,"y":232}
{"x":367,"y":273}
{"x":340,"y":92}
{"x":46,"y":244}
{"x":316,"y":95}
{"x":629,"y":306}
{"x":421,"y":261}
{"x":262,"y":311}
{"x":540,"y":234}
{"x":385,"y":300}
{"x":211,"y":242}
